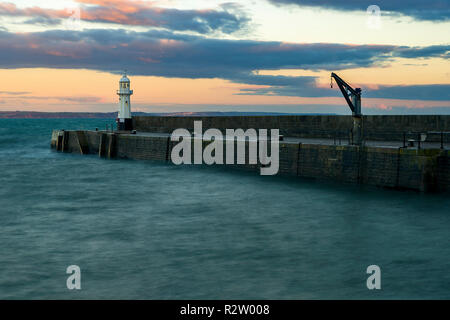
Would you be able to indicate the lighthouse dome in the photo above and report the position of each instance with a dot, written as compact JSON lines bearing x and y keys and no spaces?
{"x":124,"y":79}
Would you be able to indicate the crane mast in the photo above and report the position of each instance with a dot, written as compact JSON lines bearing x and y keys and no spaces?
{"x":353,"y":98}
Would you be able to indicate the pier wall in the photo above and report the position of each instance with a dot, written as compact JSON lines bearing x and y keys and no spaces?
{"x":398,"y":168}
{"x":382,"y":127}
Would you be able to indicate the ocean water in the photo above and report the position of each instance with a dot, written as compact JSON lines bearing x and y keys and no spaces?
{"x":150,"y":230}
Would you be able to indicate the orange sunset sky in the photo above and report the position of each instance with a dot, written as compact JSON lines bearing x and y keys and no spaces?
{"x":256,"y":55}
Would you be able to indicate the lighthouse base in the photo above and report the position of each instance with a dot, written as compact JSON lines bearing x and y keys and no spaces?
{"x":124,"y":124}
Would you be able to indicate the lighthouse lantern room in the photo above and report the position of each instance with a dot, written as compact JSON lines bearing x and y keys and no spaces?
{"x":124,"y":116}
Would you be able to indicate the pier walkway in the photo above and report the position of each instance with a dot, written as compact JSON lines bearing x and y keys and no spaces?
{"x":329,"y":142}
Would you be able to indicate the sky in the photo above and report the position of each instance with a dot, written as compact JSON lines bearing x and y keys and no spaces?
{"x":212,"y":55}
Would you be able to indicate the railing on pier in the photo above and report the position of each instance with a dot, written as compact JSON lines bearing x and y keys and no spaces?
{"x":424,"y":139}
{"x":416,"y":139}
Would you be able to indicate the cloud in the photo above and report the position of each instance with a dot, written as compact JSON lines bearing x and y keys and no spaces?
{"x":306,"y":87}
{"x":46,"y":21}
{"x":167,"y":54}
{"x":228,"y":19}
{"x":441,"y":51}
{"x":435,"y":92}
{"x":434,"y":10}
{"x":14,"y":93}
{"x":299,"y":88}
{"x":438,"y":92}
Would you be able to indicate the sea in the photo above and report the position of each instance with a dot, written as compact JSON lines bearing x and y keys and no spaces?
{"x":154,"y":230}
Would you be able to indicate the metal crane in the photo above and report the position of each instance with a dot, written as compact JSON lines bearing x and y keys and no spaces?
{"x":353,"y":98}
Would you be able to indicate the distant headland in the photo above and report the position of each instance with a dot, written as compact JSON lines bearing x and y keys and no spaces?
{"x":113,"y":115}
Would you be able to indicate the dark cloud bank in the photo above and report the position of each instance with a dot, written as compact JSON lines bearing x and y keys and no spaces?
{"x":432,"y":10}
{"x":168,"y":54}
{"x":227,"y":19}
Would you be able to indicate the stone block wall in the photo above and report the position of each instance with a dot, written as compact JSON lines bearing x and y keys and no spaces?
{"x":381,"y":127}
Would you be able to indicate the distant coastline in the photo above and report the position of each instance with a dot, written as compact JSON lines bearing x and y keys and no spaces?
{"x":56,"y":115}
{"x":113,"y":115}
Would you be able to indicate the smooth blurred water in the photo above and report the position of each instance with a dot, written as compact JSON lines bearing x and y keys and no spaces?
{"x":149,"y":230}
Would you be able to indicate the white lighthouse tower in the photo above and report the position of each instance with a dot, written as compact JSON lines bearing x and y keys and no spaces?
{"x":124,"y":116}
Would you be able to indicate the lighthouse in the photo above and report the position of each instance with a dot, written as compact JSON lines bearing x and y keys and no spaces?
{"x":124,"y":116}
